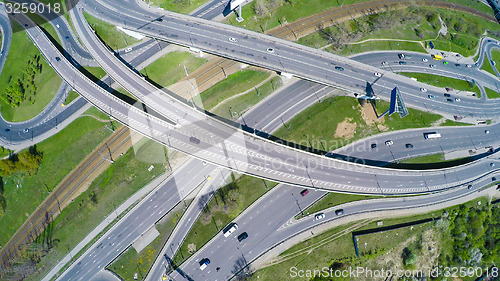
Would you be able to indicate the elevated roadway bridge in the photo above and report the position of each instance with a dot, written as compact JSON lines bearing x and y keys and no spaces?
{"x":230,"y":147}
{"x":283,"y":56}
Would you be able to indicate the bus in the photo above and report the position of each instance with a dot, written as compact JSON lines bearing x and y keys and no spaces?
{"x":437,"y":57}
{"x":432,"y":135}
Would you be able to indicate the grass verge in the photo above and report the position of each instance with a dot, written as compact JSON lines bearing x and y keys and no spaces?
{"x":171,"y":67}
{"x":491,"y":94}
{"x":113,"y":37}
{"x":243,"y":103}
{"x":70,"y":97}
{"x":183,"y":7}
{"x":236,"y":83}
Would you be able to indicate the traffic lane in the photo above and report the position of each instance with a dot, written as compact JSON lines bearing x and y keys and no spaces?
{"x":452,"y":138}
{"x":259,"y":221}
{"x":149,"y":212}
{"x":277,"y":233}
{"x":460,"y":109}
{"x":455,"y":70}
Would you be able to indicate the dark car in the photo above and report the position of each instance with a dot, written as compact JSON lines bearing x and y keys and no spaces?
{"x":493,"y":179}
{"x":374,"y":145}
{"x":7,"y":130}
{"x":242,"y":236}
{"x":304,"y":192}
{"x":449,"y":100}
{"x":402,"y":62}
{"x":447,"y":95}
{"x":457,"y":64}
{"x":339,"y":212}
{"x":194,"y":140}
{"x":409,"y":145}
{"x":58,"y":58}
{"x":339,"y":68}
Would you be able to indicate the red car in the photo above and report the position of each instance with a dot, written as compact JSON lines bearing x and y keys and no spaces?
{"x":304,"y":192}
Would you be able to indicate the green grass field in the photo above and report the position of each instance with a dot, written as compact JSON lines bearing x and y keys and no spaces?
{"x":113,"y":37}
{"x":227,"y":204}
{"x":380,"y":45}
{"x":233,"y":84}
{"x":491,"y":94}
{"x":246,"y":101}
{"x":495,"y":56}
{"x":169,"y":69}
{"x":61,"y":153}
{"x":183,"y":7}
{"x":47,"y":82}
{"x":118,"y":182}
{"x":316,"y":126}
{"x":435,"y":158}
{"x":441,"y":81}
{"x":70,"y":97}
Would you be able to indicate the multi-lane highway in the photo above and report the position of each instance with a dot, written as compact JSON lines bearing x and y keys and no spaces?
{"x":69,"y":69}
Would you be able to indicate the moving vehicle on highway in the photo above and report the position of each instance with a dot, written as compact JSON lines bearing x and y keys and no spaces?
{"x":339,"y":212}
{"x":204,"y":263}
{"x":340,"y":68}
{"x":232,"y":39}
{"x":242,"y":236}
{"x":232,"y":227}
{"x":319,"y":216}
{"x":377,"y":74}
{"x":304,"y":192}
{"x":389,"y":142}
{"x":409,"y":145}
{"x":194,"y":140}
{"x":432,"y":135}
{"x":436,"y":57}
{"x":423,"y":90}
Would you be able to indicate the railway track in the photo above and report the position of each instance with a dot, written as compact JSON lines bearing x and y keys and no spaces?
{"x":63,"y":194}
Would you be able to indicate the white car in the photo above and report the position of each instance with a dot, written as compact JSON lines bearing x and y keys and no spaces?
{"x":129,"y":49}
{"x":270,"y":50}
{"x":486,"y":131}
{"x":232,"y":39}
{"x":319,"y":216}
{"x":232,"y":227}
{"x":423,"y":90}
{"x":377,"y":74}
{"x":389,"y":143}
{"x":425,"y":60}
{"x":457,"y":99}
{"x":468,"y":66}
